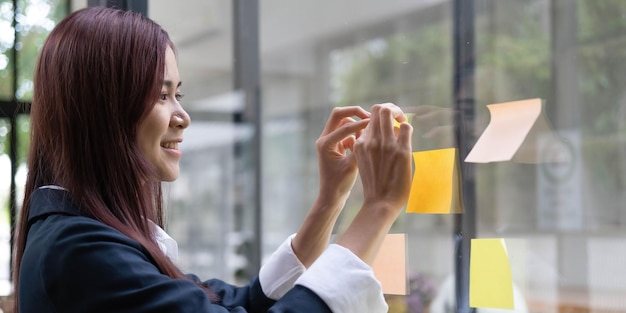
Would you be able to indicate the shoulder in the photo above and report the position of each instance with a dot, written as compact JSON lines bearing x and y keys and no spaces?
{"x":76,"y":248}
{"x":83,"y":265}
{"x":59,"y":236}
{"x":69,"y":238}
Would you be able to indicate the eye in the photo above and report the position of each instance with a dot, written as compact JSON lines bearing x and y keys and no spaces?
{"x":179,"y":96}
{"x":163,"y":97}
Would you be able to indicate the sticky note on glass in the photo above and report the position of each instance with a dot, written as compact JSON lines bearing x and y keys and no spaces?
{"x":491,"y":282}
{"x":509,"y":128}
{"x":409,"y":117}
{"x":390,"y":265}
{"x":435,"y":186}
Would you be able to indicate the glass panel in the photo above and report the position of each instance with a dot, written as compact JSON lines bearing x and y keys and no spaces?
{"x":23,"y":138}
{"x":5,"y":221}
{"x":366,"y":53}
{"x":565,"y":219}
{"x":207,"y":202}
{"x":36,"y":18}
{"x":23,"y":141}
{"x":7,"y":37}
{"x":559,"y":219}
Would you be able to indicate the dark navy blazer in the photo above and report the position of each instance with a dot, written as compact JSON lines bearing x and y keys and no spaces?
{"x":73,"y":264}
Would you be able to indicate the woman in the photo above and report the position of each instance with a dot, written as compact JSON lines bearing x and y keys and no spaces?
{"x":106,"y":123}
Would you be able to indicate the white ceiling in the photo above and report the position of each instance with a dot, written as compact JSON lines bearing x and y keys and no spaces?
{"x":290,"y":31}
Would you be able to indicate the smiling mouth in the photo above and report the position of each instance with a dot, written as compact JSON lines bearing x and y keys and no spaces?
{"x":170,"y":145}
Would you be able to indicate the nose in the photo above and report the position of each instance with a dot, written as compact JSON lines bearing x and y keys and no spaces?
{"x":180,"y":119}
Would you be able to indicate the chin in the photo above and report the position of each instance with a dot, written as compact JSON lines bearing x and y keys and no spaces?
{"x":168,"y":176}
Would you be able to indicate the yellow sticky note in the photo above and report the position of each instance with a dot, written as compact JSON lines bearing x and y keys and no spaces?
{"x":491,"y":282}
{"x":510,"y":124}
{"x":435,"y":186}
{"x":408,"y":116}
{"x":390,"y":265}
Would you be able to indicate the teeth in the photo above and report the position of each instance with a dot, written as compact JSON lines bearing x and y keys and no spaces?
{"x":170,"y":145}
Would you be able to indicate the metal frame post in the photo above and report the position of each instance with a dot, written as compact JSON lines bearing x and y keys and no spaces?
{"x":139,"y":6}
{"x":247,"y":79}
{"x":464,"y":102}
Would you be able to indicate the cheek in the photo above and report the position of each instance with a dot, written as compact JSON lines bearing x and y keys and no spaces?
{"x":152,"y":129}
{"x":147,"y":140}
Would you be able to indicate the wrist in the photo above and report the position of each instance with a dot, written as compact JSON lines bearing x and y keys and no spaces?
{"x":383,"y":207}
{"x":368,"y":230}
{"x":330,"y":200}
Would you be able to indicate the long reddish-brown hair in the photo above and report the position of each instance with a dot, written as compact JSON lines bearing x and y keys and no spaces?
{"x":99,"y":73}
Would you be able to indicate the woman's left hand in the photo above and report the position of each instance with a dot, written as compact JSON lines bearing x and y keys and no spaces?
{"x":338,"y":168}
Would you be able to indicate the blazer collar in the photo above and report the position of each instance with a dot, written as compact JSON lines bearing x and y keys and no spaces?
{"x":47,"y":200}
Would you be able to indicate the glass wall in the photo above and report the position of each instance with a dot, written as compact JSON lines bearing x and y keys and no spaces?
{"x":563,"y":222}
{"x":363,"y":53}
{"x":207,"y":203}
{"x":7,"y":37}
{"x":5,"y":221}
{"x":567,"y":218}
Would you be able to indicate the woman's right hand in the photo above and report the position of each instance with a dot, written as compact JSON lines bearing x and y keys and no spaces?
{"x":384,"y":160}
{"x":383,"y":156}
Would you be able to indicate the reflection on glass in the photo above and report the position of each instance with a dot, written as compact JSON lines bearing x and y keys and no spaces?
{"x":5,"y":224}
{"x":23,"y":141}
{"x":568,"y":53}
{"x":35,"y":19}
{"x":7,"y":37}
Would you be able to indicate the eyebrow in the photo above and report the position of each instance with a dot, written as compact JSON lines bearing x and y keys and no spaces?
{"x":170,"y":84}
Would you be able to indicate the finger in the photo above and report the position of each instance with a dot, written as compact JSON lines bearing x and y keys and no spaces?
{"x":386,"y":123}
{"x":390,"y":113}
{"x":396,"y":112}
{"x":358,"y":133}
{"x":404,"y":136}
{"x":373,"y":129}
{"x":339,"y":113}
{"x":346,"y":120}
{"x":346,"y":130}
{"x":348,"y":143}
{"x":341,"y":149}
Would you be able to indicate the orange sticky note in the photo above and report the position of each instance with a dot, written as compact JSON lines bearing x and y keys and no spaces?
{"x":510,"y":125}
{"x":390,"y":265}
{"x":435,"y":186}
{"x":491,"y":281}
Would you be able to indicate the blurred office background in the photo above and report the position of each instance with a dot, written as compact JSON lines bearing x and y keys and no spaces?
{"x":261,"y":77}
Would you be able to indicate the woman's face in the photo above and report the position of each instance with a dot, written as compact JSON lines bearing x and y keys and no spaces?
{"x":160,"y":133}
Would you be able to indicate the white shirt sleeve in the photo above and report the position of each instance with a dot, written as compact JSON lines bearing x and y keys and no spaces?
{"x":344,"y":282}
{"x":280,"y":272}
{"x":339,"y":277}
